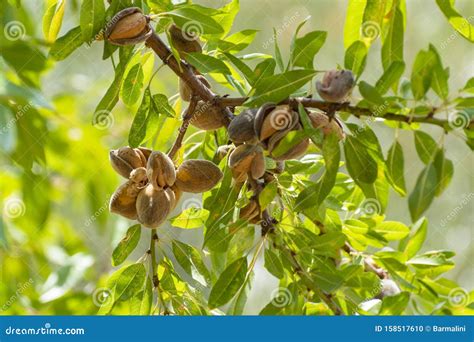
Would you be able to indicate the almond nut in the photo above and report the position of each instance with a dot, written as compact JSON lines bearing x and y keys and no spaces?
{"x":128,"y":27}
{"x":153,"y":206}
{"x":241,"y":128}
{"x":125,"y":159}
{"x":197,"y":176}
{"x":320,"y":120}
{"x":207,"y":116}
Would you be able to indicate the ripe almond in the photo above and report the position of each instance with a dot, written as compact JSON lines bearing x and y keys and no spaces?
{"x":153,"y":206}
{"x":197,"y":176}
{"x":160,"y":170}
{"x":129,"y":26}
{"x":125,"y":159}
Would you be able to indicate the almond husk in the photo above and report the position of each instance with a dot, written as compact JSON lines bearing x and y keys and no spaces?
{"x":160,"y":170}
{"x":197,"y":176}
{"x":153,"y":206}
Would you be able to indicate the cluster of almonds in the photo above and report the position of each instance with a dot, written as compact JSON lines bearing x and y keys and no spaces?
{"x":154,"y":185}
{"x":257,"y":130}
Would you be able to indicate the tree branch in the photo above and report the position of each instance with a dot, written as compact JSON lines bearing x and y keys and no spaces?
{"x":186,"y":73}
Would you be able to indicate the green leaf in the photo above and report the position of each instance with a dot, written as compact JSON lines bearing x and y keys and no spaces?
{"x":226,"y":16}
{"x":66,"y":44}
{"x":416,"y":241}
{"x":190,"y":218}
{"x":242,"y":67}
{"x":456,"y":20}
{"x":206,"y":64}
{"x":354,"y":17}
{"x":129,"y":282}
{"x":423,"y":193}
{"x":439,"y":79}
{"x":273,"y":264}
{"x":92,"y":18}
{"x":426,"y":146}
{"x":306,"y":48}
{"x":392,"y":40}
{"x":394,"y":305}
{"x":361,"y":166}
{"x":278,"y":57}
{"x":371,"y":94}
{"x":184,"y":15}
{"x":108,"y":102}
{"x":278,"y":87}
{"x":355,"y":57}
{"x":140,"y":304}
{"x":229,"y":283}
{"x":392,"y":230}
{"x":328,"y":244}
{"x":126,"y":245}
{"x":432,"y":258}
{"x":444,"y":170}
{"x":132,"y":85}
{"x":237,"y":41}
{"x":267,"y":195}
{"x":314,"y":195}
{"x":53,"y":19}
{"x":191,"y":261}
{"x":160,"y":104}
{"x":221,"y":205}
{"x":395,"y":168}
{"x":422,"y":72}
{"x":138,"y":130}
{"x":290,"y":140}
{"x":262,"y":70}
{"x":390,"y":77}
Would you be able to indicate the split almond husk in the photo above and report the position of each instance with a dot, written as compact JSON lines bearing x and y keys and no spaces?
{"x":125,"y":159}
{"x":123,"y":200}
{"x":320,"y":120}
{"x":160,"y":170}
{"x":197,"y":176}
{"x":128,"y":27}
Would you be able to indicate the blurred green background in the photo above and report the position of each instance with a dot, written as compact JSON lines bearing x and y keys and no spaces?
{"x":55,"y":249}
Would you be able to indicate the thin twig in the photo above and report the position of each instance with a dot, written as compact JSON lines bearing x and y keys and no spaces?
{"x":187,"y":118}
{"x":186,"y":73}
